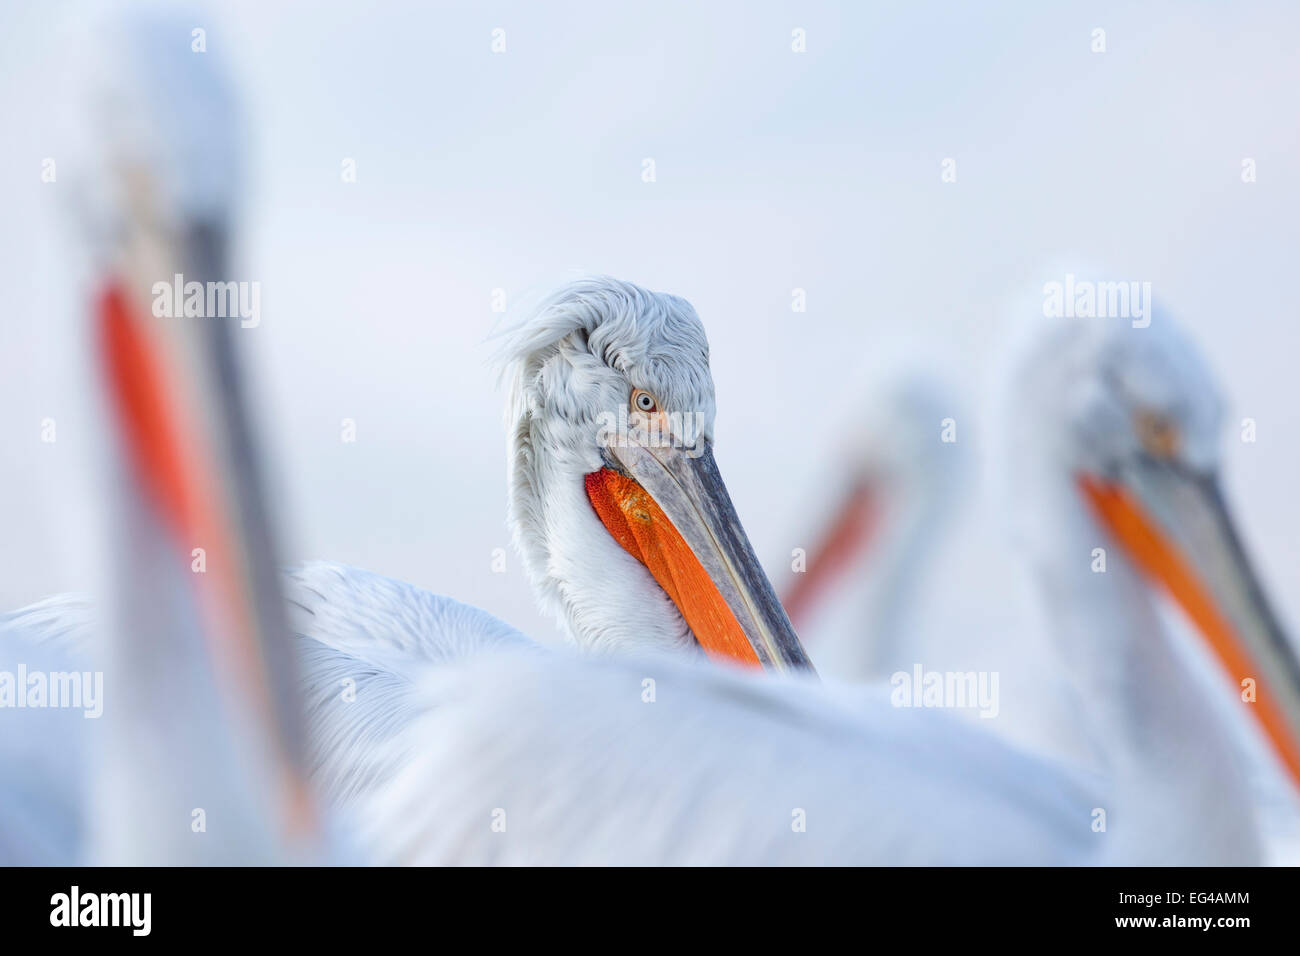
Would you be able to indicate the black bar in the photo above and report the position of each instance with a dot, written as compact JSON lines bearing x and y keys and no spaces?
{"x":929,"y":905}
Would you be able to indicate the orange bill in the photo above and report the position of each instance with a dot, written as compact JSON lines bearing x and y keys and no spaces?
{"x":174,"y":468}
{"x":670,"y":510}
{"x":843,"y":540}
{"x":638,"y":523}
{"x":1251,"y":649}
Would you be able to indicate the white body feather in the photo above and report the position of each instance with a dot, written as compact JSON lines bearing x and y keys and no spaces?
{"x":556,"y":759}
{"x":455,"y":715}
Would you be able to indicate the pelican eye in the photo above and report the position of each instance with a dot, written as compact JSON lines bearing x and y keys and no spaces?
{"x":643,"y":401}
{"x":1158,"y":434}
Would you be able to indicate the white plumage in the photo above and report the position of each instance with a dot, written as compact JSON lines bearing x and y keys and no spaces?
{"x":364,"y":642}
{"x":427,"y":716}
{"x":578,"y":766}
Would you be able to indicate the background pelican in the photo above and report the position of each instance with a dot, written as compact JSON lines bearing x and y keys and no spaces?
{"x":1111,"y":465}
{"x":875,"y":521}
{"x":1112,"y":451}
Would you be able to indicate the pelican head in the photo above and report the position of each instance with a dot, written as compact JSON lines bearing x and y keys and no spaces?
{"x":616,"y":504}
{"x":1130,"y":417}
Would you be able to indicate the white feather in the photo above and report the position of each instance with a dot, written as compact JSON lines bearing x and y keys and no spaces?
{"x":722,"y":767}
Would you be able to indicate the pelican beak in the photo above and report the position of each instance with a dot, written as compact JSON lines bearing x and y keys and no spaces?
{"x":1174,"y":524}
{"x":845,"y":537}
{"x":670,"y":510}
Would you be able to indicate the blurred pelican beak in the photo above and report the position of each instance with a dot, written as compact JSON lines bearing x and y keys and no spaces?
{"x":1174,"y":524}
{"x":671,"y":511}
{"x":845,"y":537}
{"x":153,"y":386}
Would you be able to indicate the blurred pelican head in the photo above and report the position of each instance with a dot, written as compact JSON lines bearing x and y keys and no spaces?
{"x":897,"y":465}
{"x":1115,"y":422}
{"x":154,"y":131}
